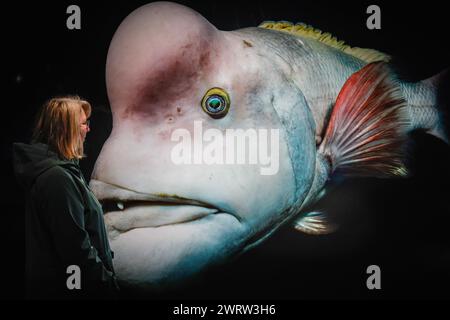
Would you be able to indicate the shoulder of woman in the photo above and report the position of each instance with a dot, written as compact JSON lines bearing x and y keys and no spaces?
{"x":55,"y":177}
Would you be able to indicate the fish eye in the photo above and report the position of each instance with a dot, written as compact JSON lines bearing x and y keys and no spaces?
{"x":216,"y":103}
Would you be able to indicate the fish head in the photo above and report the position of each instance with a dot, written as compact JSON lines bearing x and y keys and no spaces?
{"x":174,"y":81}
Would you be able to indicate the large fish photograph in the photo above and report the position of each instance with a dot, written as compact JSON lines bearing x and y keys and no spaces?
{"x":251,"y":150}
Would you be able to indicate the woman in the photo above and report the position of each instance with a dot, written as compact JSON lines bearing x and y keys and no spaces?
{"x":67,"y":249}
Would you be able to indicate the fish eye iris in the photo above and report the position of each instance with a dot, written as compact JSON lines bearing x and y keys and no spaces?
{"x":216,"y":103}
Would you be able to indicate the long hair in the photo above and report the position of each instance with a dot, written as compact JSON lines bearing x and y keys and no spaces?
{"x":58,"y":126}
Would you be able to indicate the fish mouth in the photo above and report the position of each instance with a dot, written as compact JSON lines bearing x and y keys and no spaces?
{"x":125,"y":209}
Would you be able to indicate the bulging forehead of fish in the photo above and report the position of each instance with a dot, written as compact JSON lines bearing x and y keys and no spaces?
{"x":160,"y":50}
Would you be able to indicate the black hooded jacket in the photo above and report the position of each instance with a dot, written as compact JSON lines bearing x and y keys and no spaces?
{"x":64,"y":226}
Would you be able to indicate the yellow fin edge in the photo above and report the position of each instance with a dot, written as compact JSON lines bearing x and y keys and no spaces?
{"x":301,"y":29}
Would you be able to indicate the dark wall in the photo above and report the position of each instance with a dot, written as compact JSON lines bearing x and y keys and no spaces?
{"x":400,"y":225}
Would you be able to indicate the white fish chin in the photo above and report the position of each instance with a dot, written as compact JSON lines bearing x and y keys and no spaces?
{"x":151,"y":257}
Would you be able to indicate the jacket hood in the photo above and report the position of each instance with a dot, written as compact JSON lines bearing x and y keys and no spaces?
{"x":31,"y":160}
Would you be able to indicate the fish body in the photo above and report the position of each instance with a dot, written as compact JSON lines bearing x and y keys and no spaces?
{"x":169,"y":68}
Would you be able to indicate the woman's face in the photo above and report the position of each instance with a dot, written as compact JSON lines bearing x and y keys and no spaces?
{"x":84,"y":125}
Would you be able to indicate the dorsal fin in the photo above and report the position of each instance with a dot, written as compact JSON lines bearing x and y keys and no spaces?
{"x":301,"y":29}
{"x":368,"y":125}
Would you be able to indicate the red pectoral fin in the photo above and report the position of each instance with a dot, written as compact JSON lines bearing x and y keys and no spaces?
{"x":368,"y":125}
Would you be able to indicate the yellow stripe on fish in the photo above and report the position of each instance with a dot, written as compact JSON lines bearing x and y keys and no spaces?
{"x":304,"y":30}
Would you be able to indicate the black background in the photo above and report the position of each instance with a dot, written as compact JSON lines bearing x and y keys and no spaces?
{"x":400,"y":225}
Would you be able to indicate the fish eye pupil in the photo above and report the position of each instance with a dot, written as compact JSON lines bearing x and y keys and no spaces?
{"x":214,"y":103}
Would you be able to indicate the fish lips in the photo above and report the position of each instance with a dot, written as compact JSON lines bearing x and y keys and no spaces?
{"x":125,"y":209}
{"x":153,"y":215}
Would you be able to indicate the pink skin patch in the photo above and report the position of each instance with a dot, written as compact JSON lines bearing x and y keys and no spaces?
{"x":169,"y":81}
